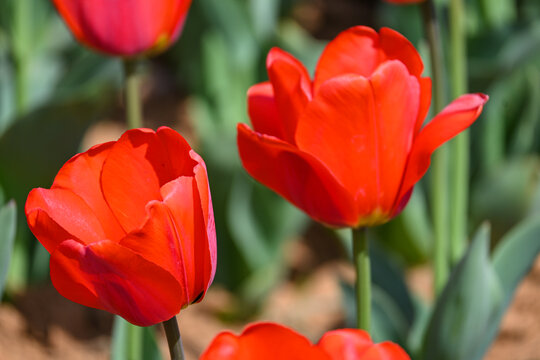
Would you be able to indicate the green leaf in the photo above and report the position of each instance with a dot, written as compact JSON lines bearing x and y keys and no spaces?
{"x":130,"y":342}
{"x":244,"y":229}
{"x":8,"y":221}
{"x":505,"y":195}
{"x":264,"y":14}
{"x":409,"y":235}
{"x":260,"y":223}
{"x":35,"y":147}
{"x":512,"y":260}
{"x":389,"y":322}
{"x":388,"y":276}
{"x":232,"y":21}
{"x":499,"y":13}
{"x":467,"y":306}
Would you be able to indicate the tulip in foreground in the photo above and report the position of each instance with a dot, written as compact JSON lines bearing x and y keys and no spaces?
{"x":348,"y":146}
{"x":124,"y":27}
{"x":271,"y":341}
{"x":130,"y":227}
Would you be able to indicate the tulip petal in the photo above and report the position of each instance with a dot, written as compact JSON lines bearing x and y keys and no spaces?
{"x":362,"y":131}
{"x":177,"y":226}
{"x":129,"y":181}
{"x":81,"y":175}
{"x":354,"y":344}
{"x":184,"y":225}
{"x":184,"y":205}
{"x":292,"y":88}
{"x":425,"y":103}
{"x":297,"y":176}
{"x":360,"y":50}
{"x":263,"y":341}
{"x":139,"y":163}
{"x":263,"y":111}
{"x":108,"y":276}
{"x":456,"y":117}
{"x":158,"y":241}
{"x":201,"y":179}
{"x":397,"y":47}
{"x":56,"y":215}
{"x":345,"y":344}
{"x":175,"y":19}
{"x":385,"y":351}
{"x":396,"y":95}
{"x":172,"y":158}
{"x":137,"y":25}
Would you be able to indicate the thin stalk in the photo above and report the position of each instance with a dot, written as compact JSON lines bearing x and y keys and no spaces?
{"x":21,"y":46}
{"x":363,"y":278}
{"x":135,"y":336}
{"x":460,"y":145}
{"x":21,"y":90}
{"x":439,"y":169}
{"x":132,"y":94}
{"x":173,"y":339}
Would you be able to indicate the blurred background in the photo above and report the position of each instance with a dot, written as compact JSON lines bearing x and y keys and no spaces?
{"x":58,"y":98}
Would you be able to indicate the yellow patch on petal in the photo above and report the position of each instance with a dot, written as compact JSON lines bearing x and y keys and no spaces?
{"x":161,"y":43}
{"x":377,"y":217}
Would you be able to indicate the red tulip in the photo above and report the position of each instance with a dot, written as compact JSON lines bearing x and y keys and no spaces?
{"x":270,"y":341}
{"x":348,"y":147}
{"x":129,"y":226}
{"x":124,"y":27}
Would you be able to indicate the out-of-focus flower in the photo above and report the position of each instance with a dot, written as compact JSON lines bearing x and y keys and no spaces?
{"x":269,"y":341}
{"x":125,"y":27}
{"x":130,"y":227}
{"x":348,"y":147}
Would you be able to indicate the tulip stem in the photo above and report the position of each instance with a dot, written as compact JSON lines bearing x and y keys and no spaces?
{"x":460,"y":145}
{"x":173,"y":339}
{"x":439,"y":169}
{"x":21,"y":88}
{"x":132,"y":94}
{"x":21,"y":47}
{"x":135,"y":341}
{"x":363,"y":277}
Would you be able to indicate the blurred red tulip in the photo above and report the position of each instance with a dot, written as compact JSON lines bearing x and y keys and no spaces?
{"x":348,"y":147}
{"x":125,"y":27}
{"x":129,"y":226}
{"x":268,"y":341}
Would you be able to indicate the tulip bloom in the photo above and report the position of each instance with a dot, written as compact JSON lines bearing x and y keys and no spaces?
{"x":272,"y":341}
{"x":130,"y":227}
{"x":124,"y":27}
{"x":348,"y":147}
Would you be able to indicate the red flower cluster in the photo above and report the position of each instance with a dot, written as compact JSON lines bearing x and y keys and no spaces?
{"x":125,"y":27}
{"x":129,"y":226}
{"x":268,"y":341}
{"x":348,"y":146}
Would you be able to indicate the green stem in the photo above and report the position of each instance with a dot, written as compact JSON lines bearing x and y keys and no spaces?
{"x":132,"y":95}
{"x":135,"y":336}
{"x":460,"y":145}
{"x":363,"y":277}
{"x":21,"y":46}
{"x":173,"y":339}
{"x":439,"y":169}
{"x":21,"y":91}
